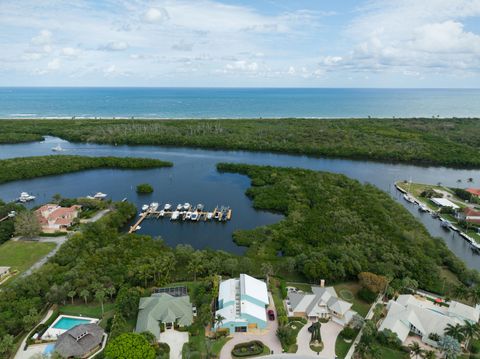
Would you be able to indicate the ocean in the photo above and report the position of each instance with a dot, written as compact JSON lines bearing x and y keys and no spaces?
{"x":181,"y":103}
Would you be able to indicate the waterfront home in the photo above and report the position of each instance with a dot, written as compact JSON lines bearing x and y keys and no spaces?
{"x":322,"y":303}
{"x":242,"y":304}
{"x":54,"y":218}
{"x":4,"y":272}
{"x":469,"y":215}
{"x":422,"y":317}
{"x":443,"y":202}
{"x":80,"y":342}
{"x":163,"y":309}
{"x":474,"y":191}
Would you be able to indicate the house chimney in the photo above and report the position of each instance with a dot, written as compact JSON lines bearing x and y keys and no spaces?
{"x":322,"y":283}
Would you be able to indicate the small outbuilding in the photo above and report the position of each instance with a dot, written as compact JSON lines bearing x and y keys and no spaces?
{"x":80,"y":342}
{"x":4,"y":272}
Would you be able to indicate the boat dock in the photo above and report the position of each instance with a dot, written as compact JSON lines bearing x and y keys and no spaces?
{"x":184,"y":212}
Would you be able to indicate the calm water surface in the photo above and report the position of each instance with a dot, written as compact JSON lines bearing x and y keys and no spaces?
{"x":194,"y":179}
{"x":237,"y":102}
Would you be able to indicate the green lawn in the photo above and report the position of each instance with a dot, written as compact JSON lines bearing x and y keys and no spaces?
{"x":218,"y":345}
{"x":93,"y":310}
{"x":387,"y":353}
{"x":295,"y":326}
{"x":359,"y":305}
{"x":342,"y":347}
{"x":21,"y":255}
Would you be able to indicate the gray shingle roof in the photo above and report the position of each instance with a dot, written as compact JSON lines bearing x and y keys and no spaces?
{"x":79,"y":341}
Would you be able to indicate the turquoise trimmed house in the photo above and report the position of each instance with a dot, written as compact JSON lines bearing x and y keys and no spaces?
{"x":242,"y":304}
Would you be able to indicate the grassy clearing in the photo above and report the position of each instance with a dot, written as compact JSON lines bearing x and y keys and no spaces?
{"x":359,"y":305}
{"x":93,"y":310}
{"x":21,"y":255}
{"x":387,"y":353}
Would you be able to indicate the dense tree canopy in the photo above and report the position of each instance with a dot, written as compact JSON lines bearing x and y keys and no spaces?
{"x":450,"y":142}
{"x":336,"y":227}
{"x":31,"y":167}
{"x":129,"y":346}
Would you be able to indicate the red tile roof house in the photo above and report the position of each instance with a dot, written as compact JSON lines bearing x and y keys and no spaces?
{"x":54,"y":218}
{"x":470,"y":215}
{"x":474,"y":191}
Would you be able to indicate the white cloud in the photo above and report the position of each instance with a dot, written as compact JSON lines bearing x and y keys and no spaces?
{"x":70,"y":52}
{"x":242,"y":65}
{"x":114,"y":46}
{"x":156,"y":15}
{"x":43,"y":38}
{"x":53,"y":64}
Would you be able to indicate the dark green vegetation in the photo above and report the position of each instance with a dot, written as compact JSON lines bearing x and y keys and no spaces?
{"x":31,"y":167}
{"x":144,"y":188}
{"x":248,"y":349}
{"x":336,"y":227}
{"x":449,"y":142}
{"x":17,"y":137}
{"x":7,"y":226}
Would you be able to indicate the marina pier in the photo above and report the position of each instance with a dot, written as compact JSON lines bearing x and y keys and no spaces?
{"x":183,"y":212}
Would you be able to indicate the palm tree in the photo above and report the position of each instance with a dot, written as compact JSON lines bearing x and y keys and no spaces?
{"x":84,"y":294}
{"x":470,"y":331}
{"x":71,"y":294}
{"x":474,"y":294}
{"x":429,"y":354}
{"x":415,"y":349}
{"x":455,"y":331}
{"x":111,"y":291}
{"x":100,"y":296}
{"x":219,"y":320}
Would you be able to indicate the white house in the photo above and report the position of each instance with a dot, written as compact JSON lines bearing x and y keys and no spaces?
{"x":419,"y":315}
{"x":322,"y":303}
{"x":242,"y":304}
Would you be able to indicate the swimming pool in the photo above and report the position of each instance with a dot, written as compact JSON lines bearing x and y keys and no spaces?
{"x":67,"y":323}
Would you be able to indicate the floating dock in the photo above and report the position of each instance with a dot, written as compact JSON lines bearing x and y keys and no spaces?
{"x":187,"y":214}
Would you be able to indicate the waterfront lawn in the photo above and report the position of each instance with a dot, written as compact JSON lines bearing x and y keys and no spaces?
{"x":359,"y":305}
{"x":388,"y":353}
{"x":21,"y":255}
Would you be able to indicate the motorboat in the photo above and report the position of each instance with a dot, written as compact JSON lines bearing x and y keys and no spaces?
{"x":179,"y":207}
{"x":407,"y":198}
{"x":194,"y":216}
{"x":188,"y":215}
{"x":100,"y":195}
{"x":57,"y":148}
{"x":186,"y":206}
{"x":145,"y":207}
{"x":445,"y":224}
{"x":154,"y":206}
{"x":167,"y":206}
{"x":209,"y":215}
{"x":422,"y":208}
{"x":200,"y":207}
{"x":162,"y":213}
{"x":175,"y":215}
{"x":25,"y":197}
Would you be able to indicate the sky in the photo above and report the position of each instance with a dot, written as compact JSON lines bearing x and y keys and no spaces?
{"x":232,"y":43}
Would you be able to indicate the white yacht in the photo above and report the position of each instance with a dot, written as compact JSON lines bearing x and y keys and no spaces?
{"x":186,"y":206}
{"x":25,"y":197}
{"x":209,"y":215}
{"x":154,"y":206}
{"x":162,"y":213}
{"x":175,"y":215}
{"x":145,"y":207}
{"x":179,"y":207}
{"x":100,"y":195}
{"x":194,"y":216}
{"x":57,"y":148}
{"x":167,"y":207}
{"x":188,"y":215}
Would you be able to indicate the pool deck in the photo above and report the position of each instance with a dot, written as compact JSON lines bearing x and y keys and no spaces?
{"x":52,"y":333}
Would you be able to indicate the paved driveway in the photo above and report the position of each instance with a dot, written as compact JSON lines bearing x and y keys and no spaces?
{"x":175,"y":340}
{"x":267,"y":336}
{"x":329,"y":333}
